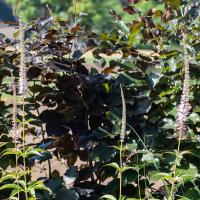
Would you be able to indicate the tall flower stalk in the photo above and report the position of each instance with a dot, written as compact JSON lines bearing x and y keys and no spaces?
{"x":183,"y":112}
{"x":122,"y":137}
{"x":15,"y":131}
{"x":184,"y":106}
{"x":23,"y":85}
{"x":22,"y":70}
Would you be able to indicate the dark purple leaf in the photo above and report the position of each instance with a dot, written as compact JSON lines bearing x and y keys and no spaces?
{"x":130,"y":10}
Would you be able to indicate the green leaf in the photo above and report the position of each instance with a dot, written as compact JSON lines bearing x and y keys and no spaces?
{"x":161,"y":176}
{"x":31,"y":191}
{"x":134,"y":33}
{"x":125,"y":168}
{"x":109,"y":197}
{"x":191,"y":194}
{"x":123,"y":26}
{"x":194,"y":117}
{"x":174,"y":3}
{"x":106,"y":87}
{"x":131,"y":146}
{"x":114,"y":165}
{"x":168,"y":124}
{"x":10,"y":186}
{"x":188,"y":173}
{"x":169,"y":157}
{"x":22,"y":183}
{"x":13,"y":198}
{"x":103,"y":153}
{"x":15,"y":192}
{"x":38,"y":185}
{"x":7,"y":176}
{"x":149,"y":158}
{"x":11,"y":151}
{"x":116,"y":147}
{"x":3,"y":143}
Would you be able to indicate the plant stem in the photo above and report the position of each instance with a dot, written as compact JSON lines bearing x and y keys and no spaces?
{"x":121,"y":167}
{"x":174,"y":170}
{"x":138,"y":179}
{"x":183,"y":110}
{"x":17,"y":169}
{"x":23,"y":138}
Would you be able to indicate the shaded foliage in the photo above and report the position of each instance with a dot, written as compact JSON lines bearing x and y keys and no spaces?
{"x":80,"y":105}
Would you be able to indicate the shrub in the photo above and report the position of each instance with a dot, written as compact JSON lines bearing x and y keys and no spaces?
{"x":75,"y":108}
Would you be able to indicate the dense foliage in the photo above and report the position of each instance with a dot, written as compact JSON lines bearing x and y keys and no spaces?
{"x":74,"y":109}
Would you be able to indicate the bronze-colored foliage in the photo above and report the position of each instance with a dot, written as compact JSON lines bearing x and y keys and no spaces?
{"x":75,"y":107}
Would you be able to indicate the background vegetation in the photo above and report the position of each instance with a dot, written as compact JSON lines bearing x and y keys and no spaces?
{"x":97,"y":10}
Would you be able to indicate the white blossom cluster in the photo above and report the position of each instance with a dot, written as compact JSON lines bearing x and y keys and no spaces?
{"x":184,"y":106}
{"x":22,"y":71}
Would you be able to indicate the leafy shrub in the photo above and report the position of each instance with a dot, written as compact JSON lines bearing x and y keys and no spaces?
{"x":81,"y":107}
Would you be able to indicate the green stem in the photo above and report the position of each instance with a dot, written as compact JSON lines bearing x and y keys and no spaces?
{"x":174,"y":170}
{"x":23,"y":138}
{"x":144,"y":168}
{"x":138,"y":179}
{"x":121,"y":167}
{"x":16,"y":168}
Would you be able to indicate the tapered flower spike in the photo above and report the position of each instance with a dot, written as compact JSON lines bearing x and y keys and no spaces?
{"x":15,"y":132}
{"x":183,"y":110}
{"x":22,"y":71}
{"x":123,"y":127}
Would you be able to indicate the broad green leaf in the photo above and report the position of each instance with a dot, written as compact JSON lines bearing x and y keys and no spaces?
{"x":149,"y":158}
{"x":103,"y":153}
{"x":161,"y":176}
{"x":168,"y":124}
{"x":194,"y":117}
{"x":188,"y":173}
{"x":191,"y":194}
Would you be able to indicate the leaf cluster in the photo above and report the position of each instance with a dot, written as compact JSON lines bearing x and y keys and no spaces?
{"x":79,"y":104}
